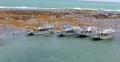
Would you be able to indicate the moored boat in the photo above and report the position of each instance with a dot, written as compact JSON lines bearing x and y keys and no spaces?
{"x":103,"y":33}
{"x":86,"y":30}
{"x":46,"y":29}
{"x":67,"y":30}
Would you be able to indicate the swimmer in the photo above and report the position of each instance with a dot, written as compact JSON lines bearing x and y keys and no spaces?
{"x":7,"y":34}
{"x":20,"y":30}
{"x":13,"y":33}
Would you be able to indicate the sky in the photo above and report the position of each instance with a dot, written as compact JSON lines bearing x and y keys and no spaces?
{"x":105,"y":0}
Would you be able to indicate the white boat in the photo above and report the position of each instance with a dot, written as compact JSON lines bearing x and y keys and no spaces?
{"x":44,"y":30}
{"x":103,"y":33}
{"x":67,"y":30}
{"x":86,"y":30}
{"x":41,"y":30}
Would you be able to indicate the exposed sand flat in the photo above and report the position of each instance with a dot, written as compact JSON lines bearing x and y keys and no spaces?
{"x":23,"y":18}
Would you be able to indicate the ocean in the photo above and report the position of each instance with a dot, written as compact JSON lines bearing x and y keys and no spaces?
{"x":55,"y":4}
{"x":41,"y":48}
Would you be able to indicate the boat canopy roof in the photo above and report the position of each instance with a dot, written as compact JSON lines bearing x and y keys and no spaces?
{"x":106,"y":30}
{"x":85,"y":27}
{"x":102,"y":29}
{"x":43,"y":27}
{"x":66,"y":27}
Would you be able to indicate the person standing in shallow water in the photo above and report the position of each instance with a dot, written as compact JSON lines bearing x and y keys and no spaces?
{"x":0,"y":41}
{"x":4,"y":25}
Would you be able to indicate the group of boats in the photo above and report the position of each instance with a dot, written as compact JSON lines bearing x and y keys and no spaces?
{"x":69,"y":30}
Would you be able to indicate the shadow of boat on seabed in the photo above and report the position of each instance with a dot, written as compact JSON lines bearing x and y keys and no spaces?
{"x":97,"y":39}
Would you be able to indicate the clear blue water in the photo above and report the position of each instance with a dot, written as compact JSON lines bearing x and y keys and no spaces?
{"x":59,"y":4}
{"x":40,"y":48}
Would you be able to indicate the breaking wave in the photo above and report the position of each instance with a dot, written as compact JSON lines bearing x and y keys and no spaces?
{"x":25,"y":7}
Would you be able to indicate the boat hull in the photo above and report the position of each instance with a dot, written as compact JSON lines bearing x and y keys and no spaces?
{"x":102,"y":37}
{"x":43,"y":32}
{"x":29,"y":33}
{"x":58,"y":33}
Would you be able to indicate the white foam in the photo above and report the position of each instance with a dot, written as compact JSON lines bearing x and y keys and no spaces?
{"x":111,"y":9}
{"x":85,"y":9}
{"x":25,"y":7}
{"x":97,"y":9}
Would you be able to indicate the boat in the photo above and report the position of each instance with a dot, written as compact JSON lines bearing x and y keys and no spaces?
{"x":67,"y":30}
{"x":103,"y":33}
{"x":46,"y":29}
{"x":86,"y":30}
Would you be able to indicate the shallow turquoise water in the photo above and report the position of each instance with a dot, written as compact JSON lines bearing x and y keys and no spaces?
{"x":40,"y":48}
{"x":60,"y":4}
